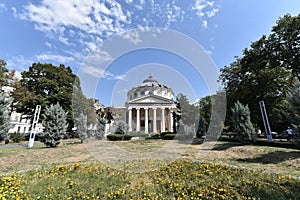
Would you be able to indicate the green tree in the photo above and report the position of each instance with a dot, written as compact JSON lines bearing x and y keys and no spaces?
{"x":205,"y":109}
{"x":201,"y":129}
{"x":241,"y":122}
{"x":6,"y":76}
{"x":55,"y":124}
{"x":5,"y":125}
{"x":188,"y":111}
{"x":44,"y":85}
{"x":81,"y":125}
{"x":265,"y":72}
{"x":294,"y":103}
{"x":100,"y":128}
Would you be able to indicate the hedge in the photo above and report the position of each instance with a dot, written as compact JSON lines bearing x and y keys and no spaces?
{"x":116,"y":137}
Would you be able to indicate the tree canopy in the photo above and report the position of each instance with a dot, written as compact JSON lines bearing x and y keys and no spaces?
{"x":45,"y":84}
{"x":266,"y":71}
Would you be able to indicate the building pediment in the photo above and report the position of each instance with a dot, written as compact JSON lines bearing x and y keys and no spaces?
{"x":150,"y":99}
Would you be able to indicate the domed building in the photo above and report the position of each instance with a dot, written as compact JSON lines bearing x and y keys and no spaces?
{"x":150,"y":106}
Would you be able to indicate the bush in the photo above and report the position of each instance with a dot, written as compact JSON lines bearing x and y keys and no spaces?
{"x":138,"y":134}
{"x":117,"y":137}
{"x":154,"y":136}
{"x":168,"y":136}
{"x":122,"y":128}
{"x":162,"y":134}
{"x":16,"y":137}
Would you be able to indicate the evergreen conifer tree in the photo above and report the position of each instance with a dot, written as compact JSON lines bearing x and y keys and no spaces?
{"x":100,"y":128}
{"x":55,"y":124}
{"x":241,"y":122}
{"x":180,"y":127}
{"x":5,"y":102}
{"x":122,"y":128}
{"x":81,"y":125}
{"x":294,"y":103}
{"x":201,"y":130}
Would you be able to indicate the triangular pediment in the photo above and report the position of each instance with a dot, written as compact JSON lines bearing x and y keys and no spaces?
{"x":151,"y":99}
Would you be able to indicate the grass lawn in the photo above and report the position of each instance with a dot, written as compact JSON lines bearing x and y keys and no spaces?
{"x":73,"y":170}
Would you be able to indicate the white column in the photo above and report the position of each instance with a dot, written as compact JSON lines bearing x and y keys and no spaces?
{"x":130,"y":119}
{"x":154,"y":120}
{"x":138,"y":119}
{"x":146,"y":120}
{"x":163,"y":122}
{"x":171,"y":121}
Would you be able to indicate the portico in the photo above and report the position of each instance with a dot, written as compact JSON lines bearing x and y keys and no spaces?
{"x":150,"y":119}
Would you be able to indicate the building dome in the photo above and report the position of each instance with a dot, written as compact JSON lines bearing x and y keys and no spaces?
{"x":150,"y":86}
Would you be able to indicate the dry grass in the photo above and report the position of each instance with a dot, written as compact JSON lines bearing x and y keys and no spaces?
{"x":278,"y":160}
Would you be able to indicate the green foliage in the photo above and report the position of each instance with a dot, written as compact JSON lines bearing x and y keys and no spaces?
{"x":201,"y":130}
{"x":81,"y":125}
{"x":16,"y":137}
{"x":205,"y":109}
{"x":154,"y":136}
{"x":100,"y":128}
{"x":270,"y":65}
{"x":138,"y":134}
{"x":5,"y":125}
{"x":55,"y":124}
{"x":180,"y":127}
{"x":6,"y":76}
{"x":187,"y":111}
{"x":169,"y":136}
{"x":45,"y":84}
{"x":241,"y":122}
{"x":116,"y":137}
{"x":294,"y":103}
{"x":122,"y":128}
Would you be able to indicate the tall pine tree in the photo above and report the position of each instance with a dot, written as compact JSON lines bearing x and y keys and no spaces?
{"x":241,"y":122}
{"x":81,"y":125}
{"x":5,"y":102}
{"x":55,"y":124}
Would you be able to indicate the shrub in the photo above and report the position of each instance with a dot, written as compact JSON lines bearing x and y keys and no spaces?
{"x":122,"y":128}
{"x":16,"y":137}
{"x":162,"y":134}
{"x":154,"y":136}
{"x":117,"y":137}
{"x":169,"y":136}
{"x":138,"y":134}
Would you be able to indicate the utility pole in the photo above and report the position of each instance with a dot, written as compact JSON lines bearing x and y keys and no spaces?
{"x":265,"y":120}
{"x":33,"y":126}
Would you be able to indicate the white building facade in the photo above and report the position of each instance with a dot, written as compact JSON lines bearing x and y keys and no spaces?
{"x":150,"y":107}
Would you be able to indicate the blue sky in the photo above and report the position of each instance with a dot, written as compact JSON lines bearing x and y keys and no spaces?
{"x":68,"y":32}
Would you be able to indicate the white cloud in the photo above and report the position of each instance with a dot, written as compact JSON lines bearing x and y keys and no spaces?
{"x":204,"y":23}
{"x":48,"y":44}
{"x":93,"y":71}
{"x":54,"y":57}
{"x":86,"y":24}
{"x":101,"y":73}
{"x":2,"y":7}
{"x":212,"y":12}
